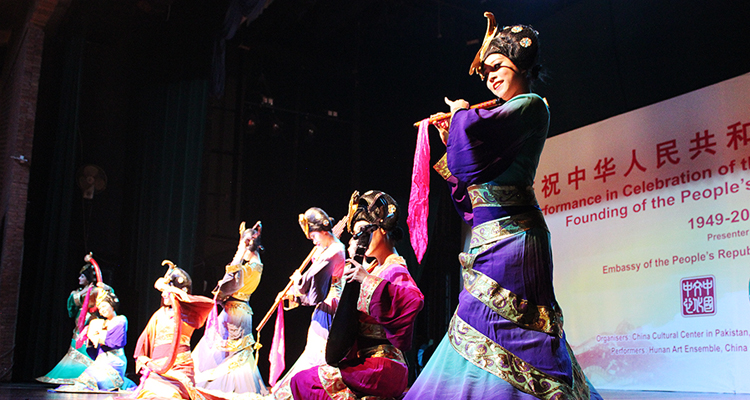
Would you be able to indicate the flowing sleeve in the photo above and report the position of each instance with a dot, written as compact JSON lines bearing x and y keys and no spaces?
{"x":393,"y":300}
{"x":117,"y":336}
{"x":316,"y":281}
{"x":459,"y":193}
{"x":145,"y":344}
{"x":195,"y":311}
{"x":73,"y":304}
{"x":230,"y":283}
{"x":482,"y":144}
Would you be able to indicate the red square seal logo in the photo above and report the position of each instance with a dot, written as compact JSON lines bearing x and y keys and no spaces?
{"x":698,"y":296}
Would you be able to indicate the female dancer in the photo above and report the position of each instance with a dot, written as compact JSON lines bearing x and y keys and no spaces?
{"x":224,"y":362}
{"x":319,"y":286}
{"x":505,"y":340}
{"x":108,"y":336}
{"x":387,"y":306}
{"x":81,"y":306}
{"x":163,"y":350}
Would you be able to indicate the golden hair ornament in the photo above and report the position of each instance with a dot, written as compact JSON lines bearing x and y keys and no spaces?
{"x":353,"y":205}
{"x":477,"y":64}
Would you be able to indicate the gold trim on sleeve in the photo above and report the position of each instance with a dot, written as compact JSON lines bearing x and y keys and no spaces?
{"x":369,"y":284}
{"x":333,"y":383}
{"x":442,"y":167}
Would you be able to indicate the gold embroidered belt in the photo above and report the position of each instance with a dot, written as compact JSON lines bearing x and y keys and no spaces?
{"x":235,"y":345}
{"x":497,"y":229}
{"x":388,"y":351}
{"x":333,"y":383}
{"x":489,"y":195}
{"x":497,"y":360}
{"x":235,"y":304}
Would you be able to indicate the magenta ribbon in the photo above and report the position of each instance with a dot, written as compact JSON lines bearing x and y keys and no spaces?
{"x":276,"y":356}
{"x":419,"y":202}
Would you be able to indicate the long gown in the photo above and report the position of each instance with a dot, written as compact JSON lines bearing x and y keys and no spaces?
{"x":75,"y":360}
{"x":107,"y":372}
{"x":388,"y":304}
{"x":224,"y":362}
{"x":506,"y":339}
{"x":156,"y":343}
{"x":320,"y":286}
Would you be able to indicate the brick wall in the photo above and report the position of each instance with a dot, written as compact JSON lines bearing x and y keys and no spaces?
{"x":18,"y":99}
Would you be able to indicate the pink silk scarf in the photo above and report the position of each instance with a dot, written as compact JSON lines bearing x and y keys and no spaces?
{"x":419,"y":202}
{"x":276,"y":357}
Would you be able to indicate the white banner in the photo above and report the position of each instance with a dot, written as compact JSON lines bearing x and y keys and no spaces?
{"x":650,"y":219}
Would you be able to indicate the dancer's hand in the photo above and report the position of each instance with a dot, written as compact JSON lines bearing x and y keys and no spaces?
{"x":456,"y":105}
{"x":353,"y":271}
{"x":296,"y":277}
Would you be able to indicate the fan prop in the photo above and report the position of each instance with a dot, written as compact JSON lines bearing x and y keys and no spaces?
{"x":91,"y":179}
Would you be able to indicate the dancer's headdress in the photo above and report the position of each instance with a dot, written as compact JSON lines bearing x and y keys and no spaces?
{"x":177,"y":277}
{"x":107,"y":296}
{"x":375,"y":207}
{"x":520,"y":43}
{"x":315,"y":220}
{"x":254,"y":233}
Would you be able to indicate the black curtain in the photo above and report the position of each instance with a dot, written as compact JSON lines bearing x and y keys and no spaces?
{"x":44,"y":330}
{"x":172,"y":121}
{"x":148,"y":137}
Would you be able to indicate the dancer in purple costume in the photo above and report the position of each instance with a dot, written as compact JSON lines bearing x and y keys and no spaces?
{"x":506,"y":339}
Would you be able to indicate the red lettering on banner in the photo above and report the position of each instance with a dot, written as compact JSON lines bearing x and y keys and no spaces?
{"x":576,"y":176}
{"x":702,"y":143}
{"x":634,"y":163}
{"x":738,"y":133}
{"x":604,"y":168}
{"x":665,"y":150}
{"x":549,"y":184}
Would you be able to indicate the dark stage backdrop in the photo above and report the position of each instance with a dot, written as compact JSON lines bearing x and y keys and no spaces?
{"x":148,"y":138}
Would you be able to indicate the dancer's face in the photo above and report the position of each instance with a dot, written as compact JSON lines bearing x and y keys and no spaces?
{"x":320,"y":238}
{"x":106,"y":310}
{"x":376,"y":240}
{"x":166,"y":299}
{"x":504,"y":79}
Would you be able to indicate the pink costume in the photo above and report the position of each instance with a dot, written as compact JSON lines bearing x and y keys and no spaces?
{"x":388,"y":304}
{"x":156,"y":344}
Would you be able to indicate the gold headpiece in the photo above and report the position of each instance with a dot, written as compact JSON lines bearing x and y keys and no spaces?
{"x":477,"y":64}
{"x":106,"y":296}
{"x":353,"y":205}
{"x":304,"y":224}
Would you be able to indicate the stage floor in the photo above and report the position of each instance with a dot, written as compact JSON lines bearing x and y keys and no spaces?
{"x":10,"y":391}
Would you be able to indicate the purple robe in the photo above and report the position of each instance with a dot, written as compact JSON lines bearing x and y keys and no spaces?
{"x":508,"y":323}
